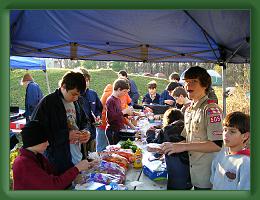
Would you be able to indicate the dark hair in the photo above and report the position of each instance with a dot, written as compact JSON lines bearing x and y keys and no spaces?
{"x":123,"y":73}
{"x":85,"y":72}
{"x":174,"y":76}
{"x":171,"y":86}
{"x":201,"y":74}
{"x":171,"y":115}
{"x":238,"y":120}
{"x":73,"y":80}
{"x":152,"y":84}
{"x":178,"y":91}
{"x":121,"y":83}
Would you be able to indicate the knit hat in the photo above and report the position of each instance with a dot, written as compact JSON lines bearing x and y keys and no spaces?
{"x":33,"y":133}
{"x":26,"y":77}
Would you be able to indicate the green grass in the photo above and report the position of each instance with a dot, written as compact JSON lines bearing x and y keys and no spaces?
{"x":99,"y":79}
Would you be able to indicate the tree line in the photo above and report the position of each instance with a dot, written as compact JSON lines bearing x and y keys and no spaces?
{"x":236,"y":73}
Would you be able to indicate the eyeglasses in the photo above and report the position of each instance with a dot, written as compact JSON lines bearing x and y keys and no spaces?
{"x":191,"y":81}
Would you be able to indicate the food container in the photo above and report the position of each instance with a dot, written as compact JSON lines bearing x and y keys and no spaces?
{"x":125,"y":134}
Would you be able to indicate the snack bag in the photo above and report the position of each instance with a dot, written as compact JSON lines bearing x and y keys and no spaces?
{"x":111,"y":168}
{"x":105,"y":178}
{"x":126,"y":153}
{"x":116,"y":159}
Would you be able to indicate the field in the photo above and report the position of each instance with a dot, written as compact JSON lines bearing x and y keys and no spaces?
{"x":100,"y":78}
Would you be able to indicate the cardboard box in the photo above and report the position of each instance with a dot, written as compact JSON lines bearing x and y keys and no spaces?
{"x":154,"y":174}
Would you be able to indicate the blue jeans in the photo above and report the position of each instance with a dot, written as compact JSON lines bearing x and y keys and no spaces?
{"x":101,"y":140}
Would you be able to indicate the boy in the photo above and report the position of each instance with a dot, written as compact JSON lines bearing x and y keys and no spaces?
{"x":203,"y":128}
{"x":181,"y":98}
{"x":92,"y":107}
{"x":165,"y":97}
{"x":151,"y":97}
{"x":177,"y":164}
{"x":32,"y":171}
{"x":133,"y":90}
{"x":114,"y":113}
{"x":101,"y":138}
{"x":66,"y":122}
{"x":230,"y":169}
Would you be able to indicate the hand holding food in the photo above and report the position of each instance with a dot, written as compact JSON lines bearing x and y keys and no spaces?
{"x":154,"y":147}
{"x":83,"y":165}
{"x":74,"y":136}
{"x":84,"y":136}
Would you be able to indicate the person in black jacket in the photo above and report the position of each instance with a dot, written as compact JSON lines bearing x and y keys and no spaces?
{"x":177,"y":164}
{"x":65,"y":122}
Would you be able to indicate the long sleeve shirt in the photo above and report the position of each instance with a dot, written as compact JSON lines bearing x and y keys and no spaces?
{"x":115,"y":118}
{"x":34,"y":172}
{"x":133,"y":93}
{"x":32,"y":97}
{"x":165,"y":96}
{"x":230,"y":171}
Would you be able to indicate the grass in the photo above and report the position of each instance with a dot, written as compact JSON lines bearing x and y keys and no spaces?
{"x":99,"y":79}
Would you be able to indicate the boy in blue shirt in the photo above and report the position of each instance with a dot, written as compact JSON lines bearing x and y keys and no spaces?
{"x":231,"y":167}
{"x":152,"y":97}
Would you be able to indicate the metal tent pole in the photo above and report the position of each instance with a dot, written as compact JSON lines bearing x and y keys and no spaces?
{"x":47,"y":81}
{"x":224,"y":68}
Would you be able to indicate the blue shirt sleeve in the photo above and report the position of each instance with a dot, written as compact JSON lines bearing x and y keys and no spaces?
{"x":33,"y":96}
{"x":165,"y":96}
{"x":133,"y":92}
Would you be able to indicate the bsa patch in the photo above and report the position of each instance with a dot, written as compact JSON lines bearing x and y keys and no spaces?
{"x":215,"y":119}
{"x":214,"y":110}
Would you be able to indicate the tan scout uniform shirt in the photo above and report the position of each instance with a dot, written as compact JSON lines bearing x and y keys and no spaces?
{"x":203,"y":122}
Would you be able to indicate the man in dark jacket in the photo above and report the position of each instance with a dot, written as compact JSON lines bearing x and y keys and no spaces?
{"x":65,"y":121}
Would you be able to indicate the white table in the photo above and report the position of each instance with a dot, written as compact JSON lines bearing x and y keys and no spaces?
{"x":137,"y":176}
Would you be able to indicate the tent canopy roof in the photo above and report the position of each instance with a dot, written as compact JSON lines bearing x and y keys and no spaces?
{"x":133,"y":35}
{"x":17,"y":62}
{"x":213,"y":73}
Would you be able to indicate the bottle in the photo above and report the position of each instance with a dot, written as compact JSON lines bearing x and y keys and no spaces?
{"x":138,"y":158}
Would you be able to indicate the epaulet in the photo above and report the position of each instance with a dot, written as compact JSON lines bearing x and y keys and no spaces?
{"x":209,"y":101}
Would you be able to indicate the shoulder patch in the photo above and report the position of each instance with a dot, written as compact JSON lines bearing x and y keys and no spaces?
{"x":214,"y":110}
{"x":209,"y":101}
